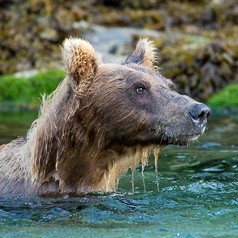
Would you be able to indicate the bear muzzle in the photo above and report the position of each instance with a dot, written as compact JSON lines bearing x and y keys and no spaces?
{"x":199,"y":114}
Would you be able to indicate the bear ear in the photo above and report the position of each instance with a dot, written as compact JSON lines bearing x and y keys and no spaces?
{"x":80,"y":60}
{"x":144,"y":54}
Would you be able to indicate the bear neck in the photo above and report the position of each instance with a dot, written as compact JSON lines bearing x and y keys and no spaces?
{"x":70,"y":152}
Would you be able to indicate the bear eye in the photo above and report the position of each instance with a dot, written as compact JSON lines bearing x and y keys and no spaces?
{"x":140,"y":89}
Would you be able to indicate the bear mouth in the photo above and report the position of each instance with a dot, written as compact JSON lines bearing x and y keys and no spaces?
{"x":173,"y":135}
{"x":181,"y":139}
{"x":158,"y":137}
{"x":164,"y":140}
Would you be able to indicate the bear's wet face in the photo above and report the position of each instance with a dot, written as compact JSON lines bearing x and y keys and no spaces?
{"x":141,"y":107}
{"x":102,"y":120}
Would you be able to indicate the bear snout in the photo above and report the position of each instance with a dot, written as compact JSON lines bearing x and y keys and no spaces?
{"x":199,"y":113}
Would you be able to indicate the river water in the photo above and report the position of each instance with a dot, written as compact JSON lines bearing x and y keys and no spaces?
{"x":197,"y":194}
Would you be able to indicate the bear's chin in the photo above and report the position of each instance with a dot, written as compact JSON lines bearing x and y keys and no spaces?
{"x":162,"y":140}
{"x":181,"y":141}
{"x":181,"y":138}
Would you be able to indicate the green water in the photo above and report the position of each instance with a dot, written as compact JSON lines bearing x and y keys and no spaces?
{"x":197,"y":197}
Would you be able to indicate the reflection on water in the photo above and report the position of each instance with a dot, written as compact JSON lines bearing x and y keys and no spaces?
{"x":198,"y":194}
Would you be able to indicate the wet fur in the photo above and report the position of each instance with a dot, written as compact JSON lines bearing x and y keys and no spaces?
{"x":93,"y":128}
{"x":39,"y":164}
{"x":61,"y":156}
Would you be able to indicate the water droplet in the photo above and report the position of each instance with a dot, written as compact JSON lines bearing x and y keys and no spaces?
{"x":156,"y":156}
{"x":143,"y":177}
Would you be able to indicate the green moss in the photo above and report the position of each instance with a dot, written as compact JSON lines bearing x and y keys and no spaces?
{"x":29,"y":90}
{"x":227,"y":98}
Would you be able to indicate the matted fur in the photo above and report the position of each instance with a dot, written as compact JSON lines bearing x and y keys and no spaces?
{"x":37,"y":164}
{"x":91,"y":130}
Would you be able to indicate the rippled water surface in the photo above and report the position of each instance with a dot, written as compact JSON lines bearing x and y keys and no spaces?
{"x":197,"y":194}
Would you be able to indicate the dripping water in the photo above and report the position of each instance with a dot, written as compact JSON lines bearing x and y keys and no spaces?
{"x":156,"y":156}
{"x":143,"y":176}
{"x":144,"y":162}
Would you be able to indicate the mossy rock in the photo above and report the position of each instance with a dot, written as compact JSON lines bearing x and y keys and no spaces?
{"x":164,"y":15}
{"x":33,"y":30}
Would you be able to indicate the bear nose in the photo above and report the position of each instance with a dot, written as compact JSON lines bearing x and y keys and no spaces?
{"x":199,"y":112}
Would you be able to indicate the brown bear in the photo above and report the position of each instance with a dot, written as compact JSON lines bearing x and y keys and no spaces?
{"x":101,"y":120}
